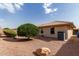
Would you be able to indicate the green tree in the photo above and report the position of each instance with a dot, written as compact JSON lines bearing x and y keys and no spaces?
{"x":27,"y":30}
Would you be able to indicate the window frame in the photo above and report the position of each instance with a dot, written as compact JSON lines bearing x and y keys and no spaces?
{"x":41,"y":30}
{"x":52,"y":30}
{"x":75,"y":32}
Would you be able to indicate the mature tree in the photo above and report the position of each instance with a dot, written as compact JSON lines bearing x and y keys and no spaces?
{"x":27,"y":30}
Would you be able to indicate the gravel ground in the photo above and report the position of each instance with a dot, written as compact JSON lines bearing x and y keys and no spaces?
{"x":11,"y":47}
{"x":26,"y":48}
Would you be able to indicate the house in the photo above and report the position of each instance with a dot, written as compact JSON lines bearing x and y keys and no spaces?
{"x":75,"y":30}
{"x":61,"y":30}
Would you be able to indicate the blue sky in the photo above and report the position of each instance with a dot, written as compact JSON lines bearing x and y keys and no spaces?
{"x":14,"y":14}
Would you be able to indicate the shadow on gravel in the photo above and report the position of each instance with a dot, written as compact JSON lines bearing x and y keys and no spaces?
{"x":47,"y":39}
{"x":70,"y":48}
{"x":17,"y":40}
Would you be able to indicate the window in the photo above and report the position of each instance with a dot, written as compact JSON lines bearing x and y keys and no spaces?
{"x":75,"y":32}
{"x":52,"y":31}
{"x":41,"y":30}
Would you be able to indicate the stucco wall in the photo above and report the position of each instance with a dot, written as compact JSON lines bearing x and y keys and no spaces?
{"x":68,"y":32}
{"x":62,"y":29}
{"x":46,"y":32}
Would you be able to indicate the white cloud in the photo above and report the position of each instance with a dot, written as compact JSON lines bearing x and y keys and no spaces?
{"x":55,"y":9}
{"x":11,"y":7}
{"x":48,"y":9}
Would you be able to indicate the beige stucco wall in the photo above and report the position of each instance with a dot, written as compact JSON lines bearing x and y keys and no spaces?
{"x":68,"y":32}
{"x":62,"y":29}
{"x":46,"y":32}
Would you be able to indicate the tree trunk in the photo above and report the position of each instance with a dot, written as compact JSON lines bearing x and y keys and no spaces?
{"x":28,"y":38}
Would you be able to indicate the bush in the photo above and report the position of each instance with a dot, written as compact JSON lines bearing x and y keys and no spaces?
{"x":27,"y":30}
{"x":9,"y":32}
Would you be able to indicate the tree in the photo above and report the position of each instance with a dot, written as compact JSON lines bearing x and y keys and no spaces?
{"x":27,"y":30}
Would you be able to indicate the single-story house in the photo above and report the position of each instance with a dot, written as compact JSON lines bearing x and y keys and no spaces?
{"x":61,"y":30}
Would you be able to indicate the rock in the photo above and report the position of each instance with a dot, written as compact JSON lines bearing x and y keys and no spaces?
{"x":42,"y":51}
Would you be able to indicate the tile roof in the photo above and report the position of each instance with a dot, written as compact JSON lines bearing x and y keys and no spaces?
{"x":57,"y":23}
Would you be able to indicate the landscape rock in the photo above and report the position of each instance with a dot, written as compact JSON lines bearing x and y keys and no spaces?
{"x":42,"y":51}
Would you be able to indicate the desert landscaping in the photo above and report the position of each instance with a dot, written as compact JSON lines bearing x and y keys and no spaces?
{"x":12,"y":47}
{"x":26,"y":42}
{"x":39,"y":29}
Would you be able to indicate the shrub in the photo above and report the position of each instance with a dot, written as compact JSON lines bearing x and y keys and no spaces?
{"x":9,"y":32}
{"x":6,"y":28}
{"x":27,"y":30}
